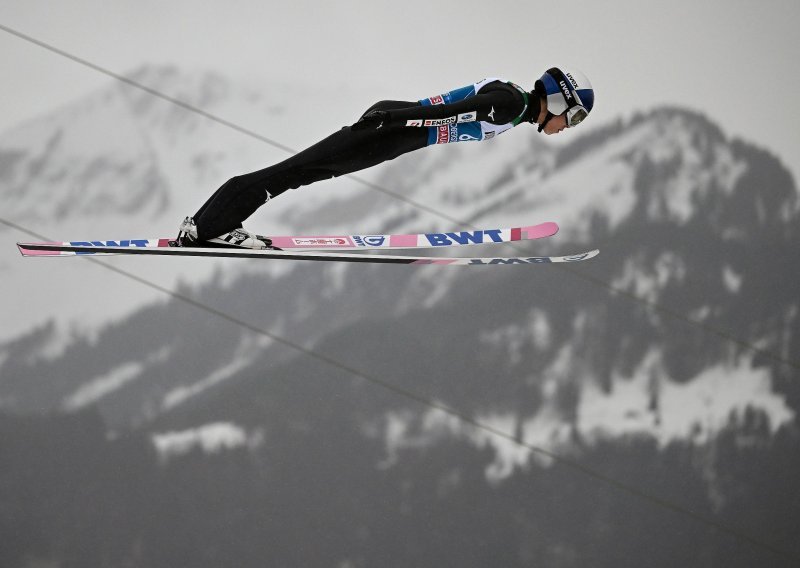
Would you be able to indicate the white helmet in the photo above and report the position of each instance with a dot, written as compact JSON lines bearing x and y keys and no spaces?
{"x":567,"y":90}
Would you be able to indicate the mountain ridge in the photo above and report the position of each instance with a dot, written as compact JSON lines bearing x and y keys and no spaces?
{"x":658,"y":174}
{"x":644,"y":367}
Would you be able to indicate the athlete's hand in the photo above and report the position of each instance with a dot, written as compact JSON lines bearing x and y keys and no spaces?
{"x":372,"y":120}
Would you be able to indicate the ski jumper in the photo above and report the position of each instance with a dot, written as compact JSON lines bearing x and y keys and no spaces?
{"x":476,"y":112}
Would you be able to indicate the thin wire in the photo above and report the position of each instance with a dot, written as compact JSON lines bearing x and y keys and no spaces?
{"x":421,"y":206}
{"x":145,"y":88}
{"x":430,"y":403}
{"x":368,"y":377}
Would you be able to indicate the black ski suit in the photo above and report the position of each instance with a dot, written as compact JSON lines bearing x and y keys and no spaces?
{"x":377,"y":137}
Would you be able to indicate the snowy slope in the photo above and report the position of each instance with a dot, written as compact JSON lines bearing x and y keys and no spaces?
{"x":678,"y":210}
{"x":682,"y":215}
{"x":667,"y":365}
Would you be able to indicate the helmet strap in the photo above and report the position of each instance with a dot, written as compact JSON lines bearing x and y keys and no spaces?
{"x":546,"y":120}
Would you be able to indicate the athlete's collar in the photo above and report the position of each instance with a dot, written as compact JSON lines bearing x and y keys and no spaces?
{"x":531,"y":108}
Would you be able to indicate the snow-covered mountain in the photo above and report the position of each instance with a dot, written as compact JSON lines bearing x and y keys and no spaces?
{"x":646,"y":191}
{"x":121,"y":163}
{"x":675,"y":346}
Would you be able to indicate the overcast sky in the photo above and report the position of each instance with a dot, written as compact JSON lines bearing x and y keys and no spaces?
{"x":731,"y":59}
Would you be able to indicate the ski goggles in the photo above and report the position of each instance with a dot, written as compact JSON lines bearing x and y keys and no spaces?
{"x":575,"y":115}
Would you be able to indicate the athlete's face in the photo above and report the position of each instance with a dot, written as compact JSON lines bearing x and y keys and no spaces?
{"x":556,"y":124}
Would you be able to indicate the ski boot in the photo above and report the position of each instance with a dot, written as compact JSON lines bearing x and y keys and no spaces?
{"x":187,"y":234}
{"x":187,"y":237}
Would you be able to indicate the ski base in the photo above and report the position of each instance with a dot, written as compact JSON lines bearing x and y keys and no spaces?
{"x":164,"y":249}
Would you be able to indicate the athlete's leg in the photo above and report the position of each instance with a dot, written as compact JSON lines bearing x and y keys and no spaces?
{"x":341,"y":153}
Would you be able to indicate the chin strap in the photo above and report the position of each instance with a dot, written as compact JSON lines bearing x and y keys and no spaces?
{"x":546,"y":120}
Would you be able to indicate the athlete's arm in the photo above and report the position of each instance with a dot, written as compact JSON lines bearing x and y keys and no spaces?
{"x":483,"y":106}
{"x":498,"y":105}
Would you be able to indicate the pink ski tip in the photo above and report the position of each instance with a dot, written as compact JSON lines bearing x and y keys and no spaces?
{"x":540,"y":231}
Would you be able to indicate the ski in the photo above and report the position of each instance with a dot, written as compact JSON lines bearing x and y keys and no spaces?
{"x":325,"y":242}
{"x":45,"y":249}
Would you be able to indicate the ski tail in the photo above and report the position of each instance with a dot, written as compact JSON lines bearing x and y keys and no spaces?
{"x":62,"y":248}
